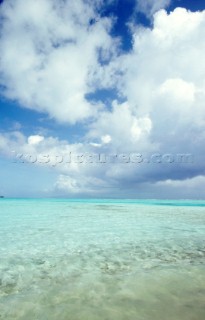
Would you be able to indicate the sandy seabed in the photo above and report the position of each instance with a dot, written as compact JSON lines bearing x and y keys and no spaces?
{"x":101,"y":260}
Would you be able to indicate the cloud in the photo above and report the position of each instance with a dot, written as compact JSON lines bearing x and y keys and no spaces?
{"x":115,"y":174}
{"x":121,"y":128}
{"x":179,"y":90}
{"x":48,"y":50}
{"x":32,"y":140}
{"x":161,"y":81}
{"x":106,"y":139}
{"x":195,"y":182}
{"x":49,"y":152}
{"x":159,"y":106}
{"x":83,"y":185}
{"x":149,"y":7}
{"x":163,"y":78}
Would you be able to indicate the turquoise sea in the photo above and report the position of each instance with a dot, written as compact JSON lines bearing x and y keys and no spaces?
{"x":102,"y":260}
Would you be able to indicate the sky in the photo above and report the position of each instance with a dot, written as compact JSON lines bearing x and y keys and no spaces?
{"x":102,"y":99}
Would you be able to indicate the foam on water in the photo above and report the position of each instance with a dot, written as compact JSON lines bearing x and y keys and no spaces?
{"x":104,"y":260}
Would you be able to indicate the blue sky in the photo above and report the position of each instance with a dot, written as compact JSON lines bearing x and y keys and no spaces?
{"x":119,"y":77}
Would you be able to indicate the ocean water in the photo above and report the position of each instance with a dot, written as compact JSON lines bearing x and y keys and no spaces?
{"x":102,"y":260}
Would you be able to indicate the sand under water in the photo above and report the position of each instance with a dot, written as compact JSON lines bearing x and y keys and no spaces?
{"x":102,"y":260}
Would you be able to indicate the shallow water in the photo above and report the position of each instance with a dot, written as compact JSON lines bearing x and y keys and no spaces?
{"x":93,"y":260}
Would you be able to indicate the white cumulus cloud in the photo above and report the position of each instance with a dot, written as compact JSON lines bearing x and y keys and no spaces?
{"x":48,"y":49}
{"x":32,"y":140}
{"x":160,"y":85}
{"x":149,"y":7}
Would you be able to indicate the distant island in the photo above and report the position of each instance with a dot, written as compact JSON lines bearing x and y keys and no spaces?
{"x":1,"y":197}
